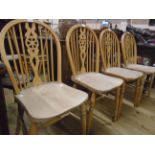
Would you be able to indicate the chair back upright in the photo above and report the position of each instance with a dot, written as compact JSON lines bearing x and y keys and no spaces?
{"x":110,"y":49}
{"x":82,"y":49}
{"x":129,"y":48}
{"x":30,"y":48}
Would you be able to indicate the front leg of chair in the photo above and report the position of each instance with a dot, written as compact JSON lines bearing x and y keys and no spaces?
{"x":123,"y":87}
{"x":18,"y":125}
{"x":83,"y":119}
{"x":90,"y":112}
{"x":33,"y":128}
{"x":20,"y":121}
{"x":117,"y":103}
{"x":150,"y":84}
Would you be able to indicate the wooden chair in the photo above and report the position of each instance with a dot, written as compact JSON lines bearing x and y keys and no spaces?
{"x":129,"y":51}
{"x":83,"y":53}
{"x":46,"y":99}
{"x":111,"y":60}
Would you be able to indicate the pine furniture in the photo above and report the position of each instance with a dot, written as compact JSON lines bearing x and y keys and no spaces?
{"x":111,"y":61}
{"x":83,"y":53}
{"x":45,"y":99}
{"x":129,"y":51}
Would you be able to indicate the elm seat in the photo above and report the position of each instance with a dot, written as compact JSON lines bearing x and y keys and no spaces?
{"x":97,"y":82}
{"x":50,"y":100}
{"x":142,"y":68}
{"x":126,"y":74}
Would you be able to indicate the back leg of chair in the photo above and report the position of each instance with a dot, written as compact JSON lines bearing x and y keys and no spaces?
{"x":18,"y":125}
{"x":90,"y":111}
{"x":150,"y":84}
{"x":83,"y":119}
{"x":138,"y":92}
{"x":141,"y":88}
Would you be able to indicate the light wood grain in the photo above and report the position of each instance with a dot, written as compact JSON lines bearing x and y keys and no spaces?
{"x":142,"y":68}
{"x":126,"y":74}
{"x":82,"y":49}
{"x":30,"y":46}
{"x":97,"y":82}
{"x":25,"y":52}
{"x":50,"y":100}
{"x":129,"y":47}
{"x":133,"y":121}
{"x":111,"y":60}
{"x":83,"y":53}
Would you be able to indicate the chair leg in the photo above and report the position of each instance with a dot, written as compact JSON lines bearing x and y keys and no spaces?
{"x":117,"y":104}
{"x":83,"y":119}
{"x":20,"y":121}
{"x":33,"y":129}
{"x":90,"y":112}
{"x":150,"y":84}
{"x":123,"y":87}
{"x":137,"y":91}
{"x":141,"y":89}
{"x":21,"y":115}
{"x":18,"y":125}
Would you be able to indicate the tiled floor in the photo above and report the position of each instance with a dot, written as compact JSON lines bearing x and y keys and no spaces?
{"x":135,"y":121}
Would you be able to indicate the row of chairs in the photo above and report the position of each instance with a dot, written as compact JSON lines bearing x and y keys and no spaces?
{"x":35,"y":71}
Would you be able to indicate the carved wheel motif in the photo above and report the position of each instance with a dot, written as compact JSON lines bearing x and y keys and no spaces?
{"x":82,"y":45}
{"x":33,"y":50}
{"x":108,"y":44}
{"x":127,"y":46}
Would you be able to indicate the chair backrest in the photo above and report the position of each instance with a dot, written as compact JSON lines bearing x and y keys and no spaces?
{"x":129,"y":48}
{"x":110,"y":49}
{"x":83,"y":49}
{"x":30,"y":49}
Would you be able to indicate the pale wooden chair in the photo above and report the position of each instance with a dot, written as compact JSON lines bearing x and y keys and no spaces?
{"x":129,"y":51}
{"x":45,"y":99}
{"x":83,"y":53}
{"x":111,"y":60}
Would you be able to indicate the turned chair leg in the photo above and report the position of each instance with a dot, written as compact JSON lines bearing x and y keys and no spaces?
{"x":90,"y":112}
{"x":33,"y":129}
{"x":117,"y":104}
{"x":123,"y":87}
{"x":141,"y":89}
{"x":137,"y":91}
{"x":150,"y":84}
{"x":18,"y":125}
{"x":83,"y":119}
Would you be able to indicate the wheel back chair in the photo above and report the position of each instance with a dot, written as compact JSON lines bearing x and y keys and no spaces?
{"x":111,"y":61}
{"x":45,"y":99}
{"x":129,"y":51}
{"x":83,"y":53}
